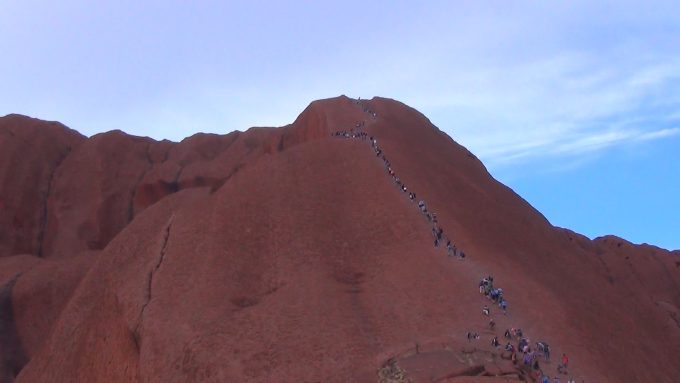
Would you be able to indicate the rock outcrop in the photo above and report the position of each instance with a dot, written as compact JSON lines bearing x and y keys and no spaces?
{"x":287,"y":254}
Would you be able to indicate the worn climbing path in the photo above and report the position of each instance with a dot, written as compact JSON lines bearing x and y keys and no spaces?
{"x":446,"y":359}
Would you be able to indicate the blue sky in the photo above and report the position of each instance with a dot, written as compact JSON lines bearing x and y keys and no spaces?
{"x":575,"y":105}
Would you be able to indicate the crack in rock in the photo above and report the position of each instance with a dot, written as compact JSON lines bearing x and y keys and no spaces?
{"x":152,"y":272}
{"x":133,"y":194}
{"x":45,"y":217}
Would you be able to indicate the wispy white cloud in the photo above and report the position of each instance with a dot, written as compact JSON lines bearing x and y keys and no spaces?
{"x":659,"y":134}
{"x":562,"y":106}
{"x":512,"y":82}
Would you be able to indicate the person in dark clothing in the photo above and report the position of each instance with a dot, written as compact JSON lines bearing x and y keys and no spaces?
{"x":521,"y":344}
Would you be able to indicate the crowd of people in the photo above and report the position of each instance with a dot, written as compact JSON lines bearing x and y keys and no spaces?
{"x":349,"y":134}
{"x":530,"y":355}
{"x":367,"y":109}
{"x":494,"y":294}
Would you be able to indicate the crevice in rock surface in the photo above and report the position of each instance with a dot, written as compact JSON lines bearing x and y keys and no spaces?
{"x":45,"y":216}
{"x":149,"y":286}
{"x":133,"y":194}
{"x":12,"y":355}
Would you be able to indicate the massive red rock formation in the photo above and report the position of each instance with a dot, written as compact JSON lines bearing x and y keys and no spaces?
{"x":286,"y":254}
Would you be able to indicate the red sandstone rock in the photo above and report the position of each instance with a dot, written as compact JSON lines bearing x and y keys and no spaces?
{"x":31,"y":150}
{"x":287,"y":255}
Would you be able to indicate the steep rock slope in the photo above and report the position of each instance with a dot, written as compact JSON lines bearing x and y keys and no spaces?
{"x":289,"y":255}
{"x":31,"y":151}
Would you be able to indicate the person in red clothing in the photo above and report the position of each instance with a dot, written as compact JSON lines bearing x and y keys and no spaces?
{"x":565,"y":363}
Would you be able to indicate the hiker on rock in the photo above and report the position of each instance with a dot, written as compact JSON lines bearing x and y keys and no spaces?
{"x":494,"y":341}
{"x":545,"y":349}
{"x":562,"y":367}
{"x":492,"y":324}
{"x":486,"y":311}
{"x":504,"y":306}
{"x":487,"y":289}
{"x":493,"y":295}
{"x":523,"y":345}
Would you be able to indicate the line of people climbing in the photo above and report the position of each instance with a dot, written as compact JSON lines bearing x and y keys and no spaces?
{"x":530,"y":356}
{"x":437,"y":231}
{"x":367,"y":109}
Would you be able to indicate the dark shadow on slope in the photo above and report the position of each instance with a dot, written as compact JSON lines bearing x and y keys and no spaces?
{"x":12,"y":355}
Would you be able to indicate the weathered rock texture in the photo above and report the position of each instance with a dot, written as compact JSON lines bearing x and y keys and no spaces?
{"x":287,"y":255}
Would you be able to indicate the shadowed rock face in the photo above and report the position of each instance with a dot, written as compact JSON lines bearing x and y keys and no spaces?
{"x":289,"y":255}
{"x":31,"y":151}
{"x":12,"y":356}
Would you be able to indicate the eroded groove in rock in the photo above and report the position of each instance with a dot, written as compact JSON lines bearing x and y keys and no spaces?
{"x":133,"y":194}
{"x":45,"y":216}
{"x":149,"y":287}
{"x":175,"y":183}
